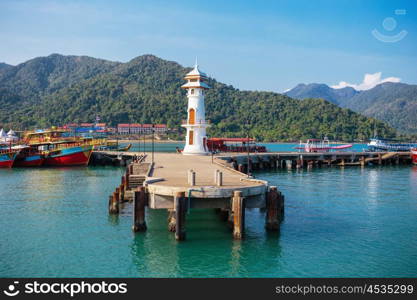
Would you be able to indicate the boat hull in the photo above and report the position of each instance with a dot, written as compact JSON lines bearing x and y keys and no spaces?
{"x":414,"y":156}
{"x":74,"y":156}
{"x":30,"y":161}
{"x":7,"y":159}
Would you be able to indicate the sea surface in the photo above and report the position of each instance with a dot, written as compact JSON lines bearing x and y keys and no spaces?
{"x":339,"y":222}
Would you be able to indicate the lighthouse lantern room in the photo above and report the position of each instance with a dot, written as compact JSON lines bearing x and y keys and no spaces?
{"x":196,"y":140}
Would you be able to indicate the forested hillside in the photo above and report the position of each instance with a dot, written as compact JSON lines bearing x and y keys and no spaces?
{"x":58,"y":89}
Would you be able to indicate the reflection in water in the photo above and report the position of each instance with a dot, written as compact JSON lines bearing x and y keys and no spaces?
{"x":373,"y":186}
{"x":235,"y":253}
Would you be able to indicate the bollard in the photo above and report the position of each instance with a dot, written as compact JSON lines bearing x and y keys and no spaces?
{"x":219,"y":178}
{"x":191,"y":177}
{"x":215,"y":176}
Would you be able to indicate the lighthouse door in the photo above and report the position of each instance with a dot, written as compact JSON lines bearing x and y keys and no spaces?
{"x":191,"y":120}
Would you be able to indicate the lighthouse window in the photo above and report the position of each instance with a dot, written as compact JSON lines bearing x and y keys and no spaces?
{"x":193,"y":80}
{"x":192,"y":91}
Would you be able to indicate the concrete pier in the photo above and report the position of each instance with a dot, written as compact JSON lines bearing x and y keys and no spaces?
{"x":179,"y":183}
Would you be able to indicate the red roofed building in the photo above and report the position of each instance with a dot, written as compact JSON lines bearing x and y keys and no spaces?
{"x":123,"y":128}
{"x":160,"y":128}
{"x":135,"y":128}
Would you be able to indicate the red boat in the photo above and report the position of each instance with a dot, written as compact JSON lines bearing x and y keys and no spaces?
{"x":7,"y":157}
{"x":29,"y":156}
{"x":414,"y":155}
{"x":233,"y":145}
{"x":316,"y":145}
{"x":67,"y":154}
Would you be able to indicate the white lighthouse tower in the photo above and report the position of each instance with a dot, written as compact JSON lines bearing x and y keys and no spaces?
{"x":196,"y":140}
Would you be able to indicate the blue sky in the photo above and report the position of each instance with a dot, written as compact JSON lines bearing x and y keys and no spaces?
{"x":256,"y":45}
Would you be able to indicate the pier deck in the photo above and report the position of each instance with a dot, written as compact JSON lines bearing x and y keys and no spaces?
{"x":171,"y":174}
{"x":178,"y":183}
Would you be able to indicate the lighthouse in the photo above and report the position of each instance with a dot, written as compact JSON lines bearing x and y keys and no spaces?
{"x":196,"y":140}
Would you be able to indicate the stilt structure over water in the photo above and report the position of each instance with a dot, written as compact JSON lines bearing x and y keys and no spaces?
{"x":179,"y":183}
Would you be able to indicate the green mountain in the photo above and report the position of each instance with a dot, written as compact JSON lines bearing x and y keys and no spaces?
{"x":147,"y":89}
{"x":319,"y":90}
{"x":44,"y":75}
{"x":394,"y":103}
{"x":4,"y":66}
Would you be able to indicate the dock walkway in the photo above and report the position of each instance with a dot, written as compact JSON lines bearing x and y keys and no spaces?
{"x":178,"y":183}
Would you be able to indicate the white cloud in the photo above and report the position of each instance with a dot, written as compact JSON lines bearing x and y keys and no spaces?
{"x":369,"y":81}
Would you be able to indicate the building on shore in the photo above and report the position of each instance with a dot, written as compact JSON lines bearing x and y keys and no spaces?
{"x":136,"y":128}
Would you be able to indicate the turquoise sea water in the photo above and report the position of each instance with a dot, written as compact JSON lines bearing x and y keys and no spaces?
{"x":338,"y":222}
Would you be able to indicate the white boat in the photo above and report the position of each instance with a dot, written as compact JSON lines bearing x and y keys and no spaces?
{"x":377,"y":144}
{"x":316,"y":145}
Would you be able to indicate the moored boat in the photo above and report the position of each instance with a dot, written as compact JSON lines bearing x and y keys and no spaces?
{"x":317,"y":145}
{"x":414,"y":155}
{"x":65,"y":154}
{"x":233,"y":145}
{"x":377,"y":144}
{"x":28,"y":157}
{"x":7,"y":157}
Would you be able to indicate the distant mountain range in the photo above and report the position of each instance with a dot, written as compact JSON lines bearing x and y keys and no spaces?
{"x":394,"y":103}
{"x":59,"y":89}
{"x":4,"y":66}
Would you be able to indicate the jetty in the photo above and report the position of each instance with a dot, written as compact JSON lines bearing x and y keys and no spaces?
{"x":178,"y":183}
{"x":296,"y":160}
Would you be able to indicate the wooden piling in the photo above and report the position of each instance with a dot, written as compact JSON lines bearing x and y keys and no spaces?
{"x":114,"y":204}
{"x":139,"y":204}
{"x":224,"y":214}
{"x":273,"y":209}
{"x":241,"y":168}
{"x":172,"y":223}
{"x":180,"y":209}
{"x":238,"y":208}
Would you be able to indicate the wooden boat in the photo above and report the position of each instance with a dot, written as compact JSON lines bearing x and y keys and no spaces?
{"x":377,"y":144}
{"x":67,"y":153}
{"x":7,"y":157}
{"x":28,"y":156}
{"x":414,"y":155}
{"x":60,"y":149}
{"x":317,"y":145}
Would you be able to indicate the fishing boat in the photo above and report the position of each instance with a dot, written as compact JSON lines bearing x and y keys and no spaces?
{"x":60,"y":149}
{"x":377,"y":144}
{"x":414,"y":155}
{"x":317,"y":145}
{"x":7,"y":157}
{"x":28,"y":156}
{"x":66,"y":153}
